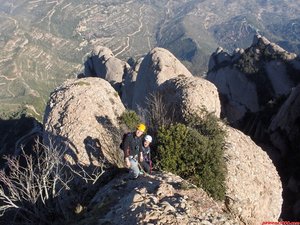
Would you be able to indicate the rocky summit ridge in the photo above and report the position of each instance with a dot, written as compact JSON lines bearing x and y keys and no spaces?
{"x":162,"y":198}
{"x":258,"y":88}
{"x":250,"y":78}
{"x":82,"y":114}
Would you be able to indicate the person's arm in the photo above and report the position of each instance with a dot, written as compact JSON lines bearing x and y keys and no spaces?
{"x":149,"y":154}
{"x":141,"y":158}
{"x":127,"y":162}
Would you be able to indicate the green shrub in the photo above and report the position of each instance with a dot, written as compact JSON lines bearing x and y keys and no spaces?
{"x":195,"y":152}
{"x":130,"y":119}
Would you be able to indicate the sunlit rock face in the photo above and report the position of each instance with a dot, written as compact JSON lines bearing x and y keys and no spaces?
{"x":81,"y":119}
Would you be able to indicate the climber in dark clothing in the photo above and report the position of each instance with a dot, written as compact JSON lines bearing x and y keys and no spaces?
{"x":146,"y":163}
{"x":133,"y":150}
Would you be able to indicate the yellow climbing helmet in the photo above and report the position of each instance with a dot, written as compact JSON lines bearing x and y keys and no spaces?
{"x":141,"y":127}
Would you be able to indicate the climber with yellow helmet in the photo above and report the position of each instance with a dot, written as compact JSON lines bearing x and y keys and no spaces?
{"x":133,"y":150}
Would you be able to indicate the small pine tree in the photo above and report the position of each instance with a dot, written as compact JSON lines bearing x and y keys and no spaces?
{"x":130,"y":119}
{"x":195,"y":152}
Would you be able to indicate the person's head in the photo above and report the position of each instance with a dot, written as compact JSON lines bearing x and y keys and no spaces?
{"x":147,"y":140}
{"x":140,"y":129}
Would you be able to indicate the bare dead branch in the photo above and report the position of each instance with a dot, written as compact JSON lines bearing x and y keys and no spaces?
{"x":156,"y":113}
{"x":35,"y":184}
{"x":31,"y":178}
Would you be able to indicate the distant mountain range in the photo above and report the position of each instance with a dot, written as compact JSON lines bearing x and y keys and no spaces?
{"x":45,"y":42}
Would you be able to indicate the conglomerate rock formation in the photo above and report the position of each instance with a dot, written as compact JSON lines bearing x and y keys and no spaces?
{"x":158,"y":66}
{"x":81,"y":117}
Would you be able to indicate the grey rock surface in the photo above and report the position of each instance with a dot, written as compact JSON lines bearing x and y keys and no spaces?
{"x":240,"y":93}
{"x":128,"y":85}
{"x":163,"y":198}
{"x":189,"y":95}
{"x":254,"y":189}
{"x":157,"y":67}
{"x":284,"y":128}
{"x":250,"y":78}
{"x":102,"y":63}
{"x":81,"y":119}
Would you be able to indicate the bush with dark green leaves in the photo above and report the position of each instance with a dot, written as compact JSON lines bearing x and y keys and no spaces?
{"x":130,"y":119}
{"x":195,"y":152}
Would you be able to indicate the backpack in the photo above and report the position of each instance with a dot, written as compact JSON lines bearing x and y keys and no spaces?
{"x":123,"y":140}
